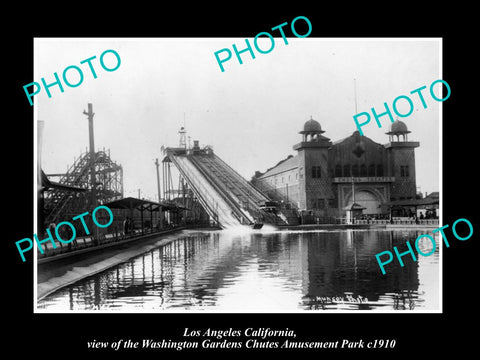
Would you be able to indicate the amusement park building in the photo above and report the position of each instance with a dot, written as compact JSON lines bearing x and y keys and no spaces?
{"x":326,"y":178}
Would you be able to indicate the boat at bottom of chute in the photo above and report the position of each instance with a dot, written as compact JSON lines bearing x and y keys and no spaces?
{"x":257,"y":225}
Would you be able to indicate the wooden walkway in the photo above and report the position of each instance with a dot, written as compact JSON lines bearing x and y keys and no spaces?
{"x":87,"y":244}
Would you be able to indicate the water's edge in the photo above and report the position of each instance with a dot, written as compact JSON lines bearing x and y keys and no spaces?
{"x":48,"y":282}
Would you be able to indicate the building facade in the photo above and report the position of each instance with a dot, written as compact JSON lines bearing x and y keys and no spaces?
{"x":325,"y":177}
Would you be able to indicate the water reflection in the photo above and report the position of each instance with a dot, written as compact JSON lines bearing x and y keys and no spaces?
{"x":274,"y":272}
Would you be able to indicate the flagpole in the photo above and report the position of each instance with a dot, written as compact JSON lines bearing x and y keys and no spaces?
{"x":353,"y":191}
{"x":355,"y":92}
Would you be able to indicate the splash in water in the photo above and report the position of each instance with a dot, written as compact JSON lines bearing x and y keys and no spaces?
{"x":246,"y":229}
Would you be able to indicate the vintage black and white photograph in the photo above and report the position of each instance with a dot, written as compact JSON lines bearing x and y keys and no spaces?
{"x":198,"y":175}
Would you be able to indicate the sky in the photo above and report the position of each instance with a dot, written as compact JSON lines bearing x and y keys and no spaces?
{"x":250,"y":114}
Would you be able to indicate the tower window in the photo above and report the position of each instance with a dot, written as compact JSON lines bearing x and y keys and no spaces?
{"x":371,"y":170}
{"x":316,"y":172}
{"x":331,"y":203}
{"x":404,"y":171}
{"x":320,"y":203}
{"x":346,"y":170}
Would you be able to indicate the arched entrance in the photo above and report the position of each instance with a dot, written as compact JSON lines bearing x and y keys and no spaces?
{"x":368,"y":200}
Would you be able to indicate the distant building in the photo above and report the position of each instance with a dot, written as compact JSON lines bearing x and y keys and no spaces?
{"x":318,"y":179}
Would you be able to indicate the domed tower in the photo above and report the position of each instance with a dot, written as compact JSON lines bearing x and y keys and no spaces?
{"x":312,"y":131}
{"x":401,"y":162}
{"x":314,"y":180}
{"x":398,"y":128}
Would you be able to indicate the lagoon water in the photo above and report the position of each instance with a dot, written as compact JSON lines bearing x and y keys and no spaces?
{"x":267,"y":271}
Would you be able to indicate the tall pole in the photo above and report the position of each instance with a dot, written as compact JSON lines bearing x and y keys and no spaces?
{"x":158,"y":181}
{"x":163,"y":180}
{"x":355,"y":91}
{"x":160,"y":212}
{"x":352,"y":220}
{"x":93,"y":191}
{"x":90,"y":115}
{"x":353,"y":191}
{"x":40,"y":203}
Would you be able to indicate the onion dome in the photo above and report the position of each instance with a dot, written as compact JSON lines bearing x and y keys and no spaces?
{"x":312,"y":126}
{"x":398,"y":128}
